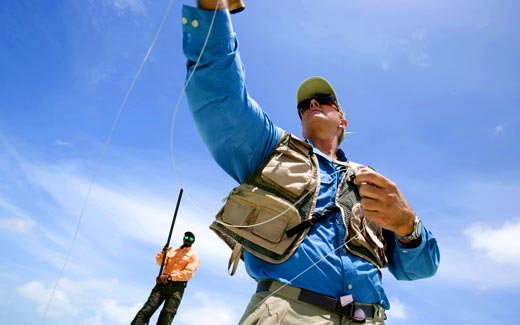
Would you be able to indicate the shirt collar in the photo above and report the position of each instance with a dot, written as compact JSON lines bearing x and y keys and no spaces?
{"x":340,"y":153}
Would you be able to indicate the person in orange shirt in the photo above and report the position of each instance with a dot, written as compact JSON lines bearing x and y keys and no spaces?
{"x":179,"y":266}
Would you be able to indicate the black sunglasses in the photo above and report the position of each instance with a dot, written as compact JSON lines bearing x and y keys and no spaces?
{"x":189,"y":238}
{"x":321,"y":99}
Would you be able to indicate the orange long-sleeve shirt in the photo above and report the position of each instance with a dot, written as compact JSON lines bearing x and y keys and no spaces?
{"x":180,"y":263}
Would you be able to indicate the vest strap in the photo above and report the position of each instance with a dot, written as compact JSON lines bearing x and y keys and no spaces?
{"x":317,"y":216}
{"x":234,"y":258}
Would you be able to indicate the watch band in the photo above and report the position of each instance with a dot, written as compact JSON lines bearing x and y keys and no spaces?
{"x":416,"y":233}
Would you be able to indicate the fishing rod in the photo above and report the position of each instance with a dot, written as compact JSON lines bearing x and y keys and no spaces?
{"x":171,"y":230}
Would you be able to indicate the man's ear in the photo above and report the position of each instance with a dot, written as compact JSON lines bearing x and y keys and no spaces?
{"x":343,"y":123}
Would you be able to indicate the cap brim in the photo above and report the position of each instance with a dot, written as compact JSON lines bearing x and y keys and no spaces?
{"x":314,"y":86}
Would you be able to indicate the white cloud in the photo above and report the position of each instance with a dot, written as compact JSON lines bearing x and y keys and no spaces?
{"x":19,"y":225}
{"x":100,"y":302}
{"x":488,"y":260}
{"x":75,"y":298}
{"x":398,"y":311}
{"x":61,"y":143}
{"x":419,"y":34}
{"x":210,"y":309}
{"x":409,"y":47}
{"x":499,"y":129}
{"x":113,"y":216}
{"x":419,"y":58}
{"x":98,"y":75}
{"x":40,"y":294}
{"x":500,"y":245}
{"x":384,"y":64}
{"x":135,"y":6}
{"x":117,"y":313}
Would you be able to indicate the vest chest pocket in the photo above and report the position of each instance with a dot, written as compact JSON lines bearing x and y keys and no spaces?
{"x":260,"y":218}
{"x":290,"y":172}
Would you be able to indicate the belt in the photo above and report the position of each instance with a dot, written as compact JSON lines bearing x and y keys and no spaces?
{"x":354,"y":310}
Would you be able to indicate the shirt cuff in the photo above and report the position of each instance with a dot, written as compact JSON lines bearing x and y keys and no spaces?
{"x":196,"y":25}
{"x":416,"y":245}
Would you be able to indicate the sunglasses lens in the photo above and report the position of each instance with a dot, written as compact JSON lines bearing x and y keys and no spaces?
{"x":325,"y":100}
{"x":322,"y":99}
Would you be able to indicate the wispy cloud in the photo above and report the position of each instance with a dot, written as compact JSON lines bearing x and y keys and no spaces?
{"x":493,"y":250}
{"x":499,"y":129}
{"x":99,"y":302}
{"x":134,"y":6}
{"x":19,"y":225}
{"x":129,"y":205}
{"x":480,"y":227}
{"x":76,"y":297}
{"x":419,"y":58}
{"x":500,"y":244}
{"x":61,"y":143}
{"x":399,"y":311}
{"x":209,"y":309}
{"x":410,"y":48}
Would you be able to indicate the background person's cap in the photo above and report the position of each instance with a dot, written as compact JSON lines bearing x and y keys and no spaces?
{"x":314,"y":86}
{"x":189,"y":234}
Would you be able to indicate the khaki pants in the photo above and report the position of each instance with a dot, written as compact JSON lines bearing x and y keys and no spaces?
{"x":283,"y":308}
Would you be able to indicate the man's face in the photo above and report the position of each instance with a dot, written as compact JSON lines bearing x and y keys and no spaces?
{"x":188,"y":240}
{"x":321,"y":116}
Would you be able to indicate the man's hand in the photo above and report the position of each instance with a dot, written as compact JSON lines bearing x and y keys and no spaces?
{"x":212,"y":4}
{"x":163,"y":278}
{"x":383,"y":203}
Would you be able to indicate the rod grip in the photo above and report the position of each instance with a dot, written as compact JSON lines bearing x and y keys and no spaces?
{"x":236,"y":6}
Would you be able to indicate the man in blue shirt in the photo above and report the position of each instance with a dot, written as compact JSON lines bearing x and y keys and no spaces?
{"x":322,"y":281}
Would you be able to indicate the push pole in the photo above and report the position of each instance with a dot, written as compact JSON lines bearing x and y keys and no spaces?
{"x":171,"y":230}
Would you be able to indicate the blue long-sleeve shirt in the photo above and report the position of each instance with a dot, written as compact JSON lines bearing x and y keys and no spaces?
{"x":240,"y":136}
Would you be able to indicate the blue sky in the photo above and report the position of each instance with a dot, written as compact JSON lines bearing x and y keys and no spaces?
{"x":430,"y":88}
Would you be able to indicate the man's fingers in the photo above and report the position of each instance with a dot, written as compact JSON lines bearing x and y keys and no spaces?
{"x":368,"y":176}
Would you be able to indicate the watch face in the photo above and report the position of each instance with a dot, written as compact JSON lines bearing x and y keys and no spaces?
{"x":416,"y":229}
{"x":416,"y":233}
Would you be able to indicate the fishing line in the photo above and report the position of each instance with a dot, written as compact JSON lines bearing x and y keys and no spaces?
{"x":105,"y":148}
{"x":174,"y":117}
{"x":174,"y":166}
{"x":311,"y":266}
{"x":176,"y":109}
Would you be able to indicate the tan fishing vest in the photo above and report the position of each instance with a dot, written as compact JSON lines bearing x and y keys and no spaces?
{"x":273,"y":210}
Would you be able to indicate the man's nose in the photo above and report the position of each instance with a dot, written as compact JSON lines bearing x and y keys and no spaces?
{"x":314,"y":103}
